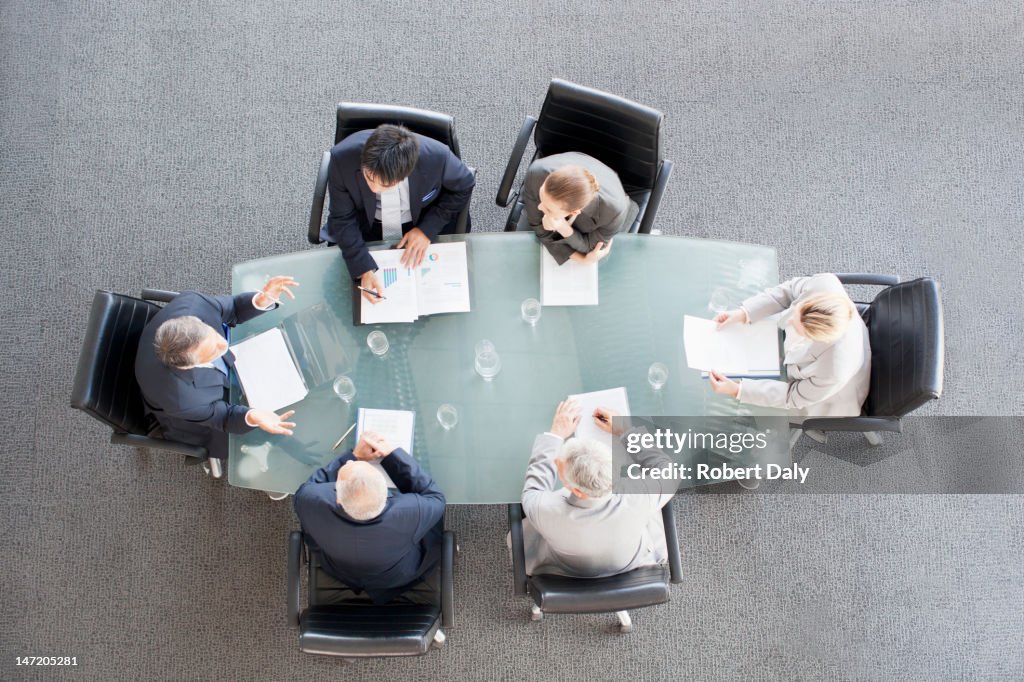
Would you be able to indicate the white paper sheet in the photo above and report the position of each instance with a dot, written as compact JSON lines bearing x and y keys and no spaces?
{"x":739,"y":350}
{"x":442,"y":280}
{"x":571,"y":283}
{"x":399,"y":291}
{"x":614,"y":399}
{"x":267,"y":372}
{"x":396,"y":426}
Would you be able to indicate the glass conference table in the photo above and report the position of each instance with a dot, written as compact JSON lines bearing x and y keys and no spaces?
{"x":647,"y":284}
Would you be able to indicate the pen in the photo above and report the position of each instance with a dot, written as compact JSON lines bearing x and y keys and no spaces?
{"x":370,"y":291}
{"x":343,"y":437}
{"x":600,"y":417}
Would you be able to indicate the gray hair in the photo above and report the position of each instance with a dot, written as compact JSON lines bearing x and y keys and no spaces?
{"x":363,"y":494}
{"x":587,"y":466}
{"x":177,"y":338}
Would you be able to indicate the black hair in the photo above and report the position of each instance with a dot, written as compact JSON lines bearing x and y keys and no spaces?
{"x":390,"y":153}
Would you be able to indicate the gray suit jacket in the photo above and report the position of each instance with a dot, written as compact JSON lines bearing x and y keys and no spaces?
{"x":589,"y":538}
{"x":609,"y":213}
{"x":825,"y":380}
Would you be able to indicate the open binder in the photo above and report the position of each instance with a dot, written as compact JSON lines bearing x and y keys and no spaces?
{"x":279,"y":367}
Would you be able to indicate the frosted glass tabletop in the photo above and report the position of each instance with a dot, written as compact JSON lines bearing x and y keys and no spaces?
{"x":647,"y":284}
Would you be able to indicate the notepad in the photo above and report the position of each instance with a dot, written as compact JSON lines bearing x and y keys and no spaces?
{"x":267,"y":372}
{"x":440,"y":284}
{"x":738,"y":350}
{"x":396,"y":426}
{"x":614,"y":399}
{"x":571,"y":283}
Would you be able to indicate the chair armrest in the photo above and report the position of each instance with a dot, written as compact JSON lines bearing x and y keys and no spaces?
{"x":675,"y":561}
{"x":515,"y":527}
{"x":463,"y":219}
{"x":448,"y":579}
{"x":857,"y":424}
{"x":316,"y":210}
{"x":138,"y":441}
{"x":513,"y":162}
{"x":867,"y":278}
{"x":294,"y":577}
{"x":656,"y":195}
{"x":159,"y":295}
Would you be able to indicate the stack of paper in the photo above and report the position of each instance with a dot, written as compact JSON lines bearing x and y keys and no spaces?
{"x":267,"y":372}
{"x":439,"y":285}
{"x":571,"y":283}
{"x":614,"y":399}
{"x":396,"y":426}
{"x":739,"y":350}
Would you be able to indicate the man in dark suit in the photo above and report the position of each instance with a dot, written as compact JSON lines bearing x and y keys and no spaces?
{"x":374,"y":539}
{"x":392,"y":184}
{"x":182,"y":367}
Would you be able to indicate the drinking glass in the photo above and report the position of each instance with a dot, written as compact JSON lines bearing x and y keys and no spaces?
{"x":447,"y":416}
{"x":378,"y":342}
{"x":345,"y":388}
{"x":720,"y":301}
{"x":488,"y":364}
{"x":657,"y":375}
{"x":530,"y":311}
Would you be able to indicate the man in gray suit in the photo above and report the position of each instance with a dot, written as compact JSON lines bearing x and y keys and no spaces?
{"x":584,"y":529}
{"x":575,"y":204}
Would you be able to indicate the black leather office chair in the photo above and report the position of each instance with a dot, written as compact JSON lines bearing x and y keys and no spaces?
{"x":907,"y":354}
{"x":624,"y":135}
{"x":353,"y":117}
{"x":360,"y":629}
{"x":645,"y":586}
{"x":105,"y":386}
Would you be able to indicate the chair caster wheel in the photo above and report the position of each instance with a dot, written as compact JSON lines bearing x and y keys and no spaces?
{"x":536,"y":614}
{"x":873,"y":438}
{"x":626,"y":629}
{"x":439,"y":639}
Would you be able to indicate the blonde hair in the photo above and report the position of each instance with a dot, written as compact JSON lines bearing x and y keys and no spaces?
{"x":825,"y":317}
{"x":572,"y":186}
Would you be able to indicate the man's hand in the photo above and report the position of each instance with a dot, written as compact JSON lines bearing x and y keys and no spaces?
{"x":723,"y":385}
{"x":369,"y":281}
{"x":567,"y":417}
{"x":270,"y":421}
{"x":272,"y":290}
{"x":603,"y":420}
{"x":415,"y":244}
{"x":731,"y":317}
{"x":372,"y":446}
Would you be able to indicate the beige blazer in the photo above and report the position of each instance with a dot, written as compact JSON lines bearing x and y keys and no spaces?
{"x":566,"y":535}
{"x":825,"y":380}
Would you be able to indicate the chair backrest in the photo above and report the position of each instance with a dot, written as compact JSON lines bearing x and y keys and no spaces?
{"x":634,"y":589}
{"x":357,"y":628}
{"x":907,"y":348}
{"x":353,"y":117}
{"x":624,"y":135}
{"x":105,"y":386}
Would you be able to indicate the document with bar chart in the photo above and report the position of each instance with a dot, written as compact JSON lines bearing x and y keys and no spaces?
{"x":439,"y":285}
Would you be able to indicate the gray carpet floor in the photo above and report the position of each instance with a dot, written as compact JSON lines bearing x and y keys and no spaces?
{"x":155,"y":144}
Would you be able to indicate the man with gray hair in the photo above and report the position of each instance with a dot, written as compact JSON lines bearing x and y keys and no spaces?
{"x":371,"y":538}
{"x":182,"y":367}
{"x":584,"y":529}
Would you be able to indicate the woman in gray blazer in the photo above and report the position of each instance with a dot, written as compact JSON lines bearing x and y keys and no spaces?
{"x":828,"y":355}
{"x":576,"y":204}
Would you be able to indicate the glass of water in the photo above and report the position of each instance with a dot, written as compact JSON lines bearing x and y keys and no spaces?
{"x":345,"y":388}
{"x":378,"y":342}
{"x":530,"y":311}
{"x":488,"y":364}
{"x":720,"y":301}
{"x":447,"y":416}
{"x":483,"y":346}
{"x":657,"y":375}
